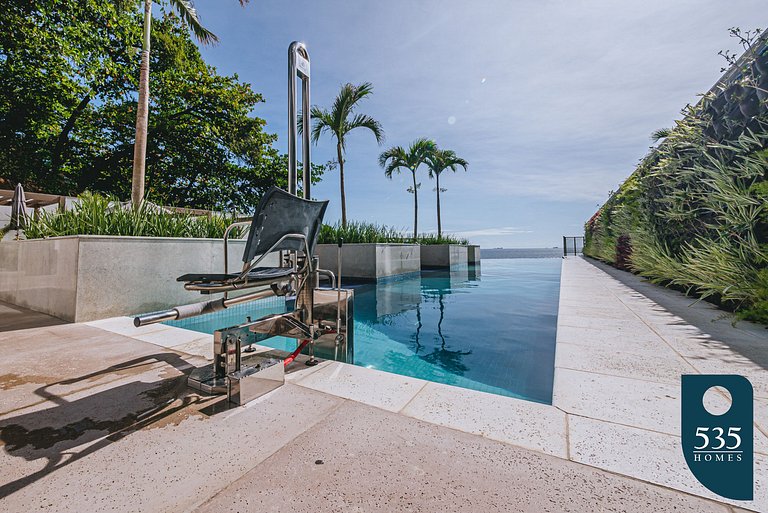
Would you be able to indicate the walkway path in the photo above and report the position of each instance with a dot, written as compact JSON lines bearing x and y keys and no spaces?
{"x":622,"y":345}
{"x":13,"y":317}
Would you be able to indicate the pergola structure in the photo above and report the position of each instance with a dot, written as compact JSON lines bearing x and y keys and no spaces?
{"x":37,"y":200}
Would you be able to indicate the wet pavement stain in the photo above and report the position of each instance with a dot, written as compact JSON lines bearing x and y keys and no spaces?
{"x":169,"y":399}
{"x":9,"y":381}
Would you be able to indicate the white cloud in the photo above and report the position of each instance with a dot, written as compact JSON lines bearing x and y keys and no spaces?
{"x":493,"y":232}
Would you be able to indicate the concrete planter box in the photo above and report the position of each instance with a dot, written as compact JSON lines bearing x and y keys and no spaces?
{"x":443,"y":256}
{"x":371,"y":262}
{"x":473,"y":254}
{"x":82,"y":278}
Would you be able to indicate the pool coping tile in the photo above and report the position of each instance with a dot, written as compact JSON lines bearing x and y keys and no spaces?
{"x":527,"y":424}
{"x":391,"y":392}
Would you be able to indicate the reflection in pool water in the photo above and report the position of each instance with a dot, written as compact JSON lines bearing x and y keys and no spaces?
{"x":494,"y":332}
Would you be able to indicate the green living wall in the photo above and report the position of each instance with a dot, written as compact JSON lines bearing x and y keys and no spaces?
{"x":694,"y":214}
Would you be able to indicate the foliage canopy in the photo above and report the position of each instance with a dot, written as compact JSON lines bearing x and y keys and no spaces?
{"x":68,"y":99}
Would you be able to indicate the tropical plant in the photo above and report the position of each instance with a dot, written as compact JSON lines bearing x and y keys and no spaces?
{"x":340,"y":121}
{"x":188,"y":14}
{"x":661,"y":133}
{"x":356,"y":232}
{"x":95,"y":214}
{"x":694,"y":215}
{"x":398,"y":158}
{"x":437,"y":162}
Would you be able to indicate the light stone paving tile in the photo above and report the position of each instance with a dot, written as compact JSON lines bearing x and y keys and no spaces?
{"x":666,"y":369}
{"x":649,"y":456}
{"x":200,"y":347}
{"x":643,"y":404}
{"x":298,"y":375}
{"x":172,"y":337}
{"x":761,"y":414}
{"x":608,"y":314}
{"x":369,"y":386}
{"x":174,"y":466}
{"x":610,"y":310}
{"x":623,"y":324}
{"x":696,"y":345}
{"x":736,"y":364}
{"x":377,"y":462}
{"x":523,"y":423}
{"x":640,"y":342}
{"x":124,"y":326}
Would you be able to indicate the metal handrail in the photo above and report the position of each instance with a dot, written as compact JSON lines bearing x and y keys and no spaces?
{"x":226,"y":246}
{"x":247,"y":267}
{"x":298,"y":65}
{"x":204,"y":307}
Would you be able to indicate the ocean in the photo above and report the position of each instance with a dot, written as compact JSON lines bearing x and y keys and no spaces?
{"x":495,"y":253}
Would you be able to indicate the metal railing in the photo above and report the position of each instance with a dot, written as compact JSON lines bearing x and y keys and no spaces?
{"x":573,"y":245}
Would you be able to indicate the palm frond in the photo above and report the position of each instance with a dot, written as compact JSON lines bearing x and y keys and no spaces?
{"x":322,"y":121}
{"x":189,"y":16}
{"x":440,"y":160}
{"x":366,"y":121}
{"x":420,"y":150}
{"x":393,"y":160}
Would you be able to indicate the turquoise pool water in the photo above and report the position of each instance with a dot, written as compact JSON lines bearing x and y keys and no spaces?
{"x":490,"y":328}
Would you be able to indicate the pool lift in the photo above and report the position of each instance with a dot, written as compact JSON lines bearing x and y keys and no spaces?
{"x":319,"y":318}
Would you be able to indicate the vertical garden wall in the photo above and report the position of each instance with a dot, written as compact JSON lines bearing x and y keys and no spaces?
{"x":694,"y":213}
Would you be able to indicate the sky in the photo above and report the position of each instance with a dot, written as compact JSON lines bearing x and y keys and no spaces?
{"x":551,"y":102}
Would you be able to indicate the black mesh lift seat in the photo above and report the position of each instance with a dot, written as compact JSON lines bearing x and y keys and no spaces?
{"x":282,"y":222}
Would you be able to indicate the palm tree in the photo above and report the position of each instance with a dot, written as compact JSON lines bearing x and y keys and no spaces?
{"x":188,"y":14}
{"x":438,"y":161}
{"x":397,"y":158}
{"x":340,"y":121}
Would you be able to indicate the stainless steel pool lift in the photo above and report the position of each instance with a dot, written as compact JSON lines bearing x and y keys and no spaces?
{"x":319,"y":318}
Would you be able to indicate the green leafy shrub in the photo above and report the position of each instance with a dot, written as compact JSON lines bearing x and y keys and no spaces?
{"x":95,"y":214}
{"x":696,"y":215}
{"x":357,"y":232}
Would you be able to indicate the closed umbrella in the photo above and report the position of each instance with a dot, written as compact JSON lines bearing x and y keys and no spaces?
{"x":18,"y":210}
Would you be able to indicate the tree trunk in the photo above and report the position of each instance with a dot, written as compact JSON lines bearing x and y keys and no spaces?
{"x":142,"y":115}
{"x":341,"y":185}
{"x":415,"y":208}
{"x":439,"y":225}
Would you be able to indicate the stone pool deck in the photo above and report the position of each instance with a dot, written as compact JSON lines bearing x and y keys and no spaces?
{"x":96,"y":417}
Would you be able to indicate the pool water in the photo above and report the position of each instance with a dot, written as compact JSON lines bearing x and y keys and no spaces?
{"x":490,"y":328}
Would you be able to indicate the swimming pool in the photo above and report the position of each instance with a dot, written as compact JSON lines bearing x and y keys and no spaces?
{"x":490,"y":328}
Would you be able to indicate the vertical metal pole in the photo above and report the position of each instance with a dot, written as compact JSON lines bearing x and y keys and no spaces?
{"x":298,"y":65}
{"x":565,"y":247}
{"x":306,"y":179}
{"x":292,"y":117}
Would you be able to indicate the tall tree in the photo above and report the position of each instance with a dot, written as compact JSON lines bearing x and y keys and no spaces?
{"x":72,"y":128}
{"x":56,"y":58}
{"x":437,"y":162}
{"x":340,"y":121}
{"x":188,"y":14}
{"x":395,"y":159}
